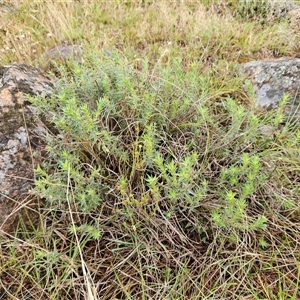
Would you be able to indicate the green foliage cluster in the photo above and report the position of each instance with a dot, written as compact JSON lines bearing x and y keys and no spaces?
{"x":143,"y":142}
{"x":150,"y":162}
{"x":162,"y":179}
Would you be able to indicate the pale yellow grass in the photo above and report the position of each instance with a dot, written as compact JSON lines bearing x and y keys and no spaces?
{"x":176,"y":29}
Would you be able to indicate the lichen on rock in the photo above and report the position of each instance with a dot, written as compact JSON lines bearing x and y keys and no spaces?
{"x":18,"y":138}
{"x":272,"y":79}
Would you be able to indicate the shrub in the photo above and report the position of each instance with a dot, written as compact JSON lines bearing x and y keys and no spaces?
{"x":158,"y":171}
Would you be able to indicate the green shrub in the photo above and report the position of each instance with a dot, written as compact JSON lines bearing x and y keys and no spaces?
{"x":142,"y":141}
{"x":152,"y":163}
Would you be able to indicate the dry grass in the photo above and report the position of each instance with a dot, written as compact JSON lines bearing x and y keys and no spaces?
{"x":182,"y":29}
{"x":157,"y":256}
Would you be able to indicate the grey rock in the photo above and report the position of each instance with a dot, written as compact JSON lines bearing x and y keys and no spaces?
{"x":7,"y":7}
{"x":20,"y":134}
{"x":294,"y":19}
{"x":266,"y":130}
{"x":272,"y":79}
{"x":63,"y":52}
{"x":280,"y":9}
